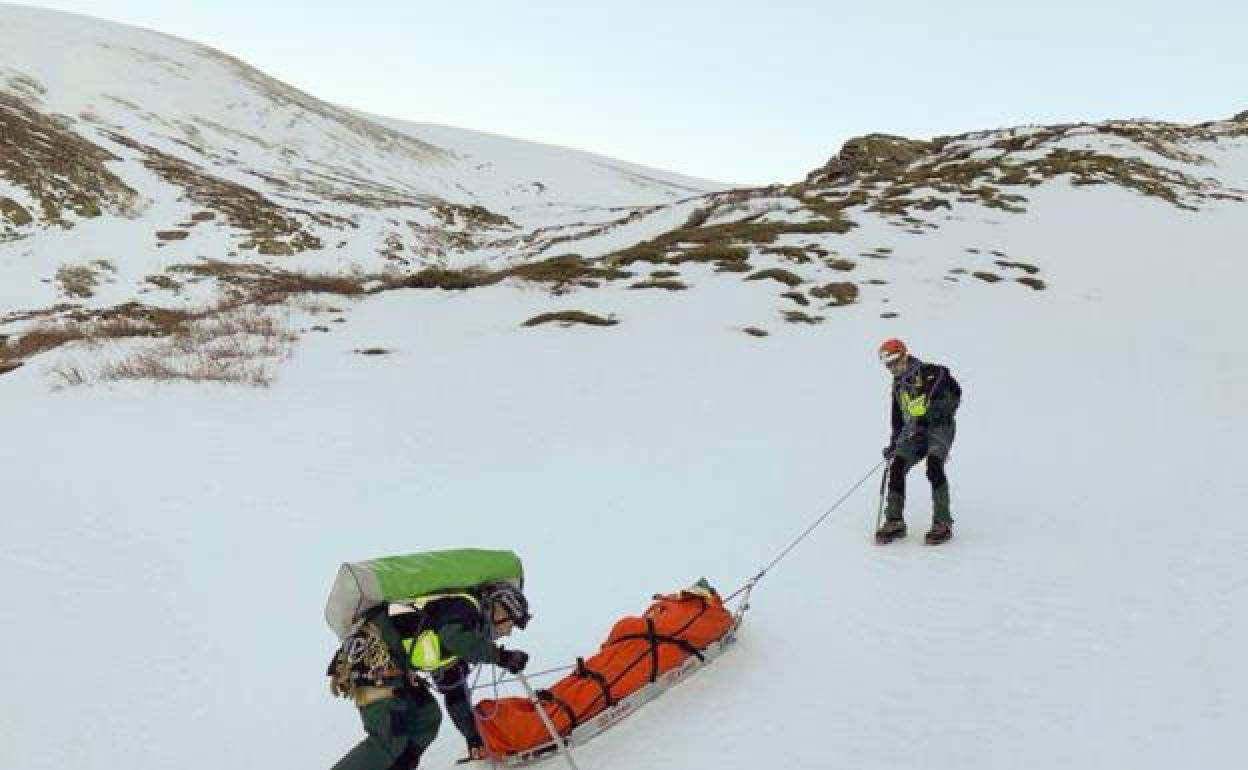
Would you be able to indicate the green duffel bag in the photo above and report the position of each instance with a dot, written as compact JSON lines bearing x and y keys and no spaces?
{"x":360,"y":586}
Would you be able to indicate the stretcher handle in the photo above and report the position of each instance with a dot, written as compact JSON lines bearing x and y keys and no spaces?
{"x":560,"y":744}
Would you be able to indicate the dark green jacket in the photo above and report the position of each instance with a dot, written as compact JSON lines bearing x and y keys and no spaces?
{"x":462,"y":629}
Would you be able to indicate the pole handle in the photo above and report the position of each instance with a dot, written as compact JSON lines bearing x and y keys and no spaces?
{"x":560,"y":744}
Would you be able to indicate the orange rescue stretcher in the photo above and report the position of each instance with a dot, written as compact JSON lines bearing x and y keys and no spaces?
{"x":642,"y":657}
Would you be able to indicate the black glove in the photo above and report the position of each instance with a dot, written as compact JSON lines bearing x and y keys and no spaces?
{"x":890,"y":449}
{"x":513,"y":661}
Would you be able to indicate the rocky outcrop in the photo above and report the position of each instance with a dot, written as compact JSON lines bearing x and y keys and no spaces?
{"x":874,"y":155}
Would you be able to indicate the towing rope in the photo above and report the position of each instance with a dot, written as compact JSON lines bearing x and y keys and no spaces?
{"x":745,"y":589}
{"x":789,"y":548}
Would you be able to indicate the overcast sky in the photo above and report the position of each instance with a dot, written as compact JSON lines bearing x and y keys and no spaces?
{"x":747,"y":92}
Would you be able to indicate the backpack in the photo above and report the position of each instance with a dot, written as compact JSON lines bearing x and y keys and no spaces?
{"x":362,"y":593}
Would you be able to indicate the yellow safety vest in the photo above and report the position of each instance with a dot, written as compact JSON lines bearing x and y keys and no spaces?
{"x":424,"y":652}
{"x":915,"y":406}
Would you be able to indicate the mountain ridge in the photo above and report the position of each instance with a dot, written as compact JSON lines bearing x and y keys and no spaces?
{"x":172,"y":176}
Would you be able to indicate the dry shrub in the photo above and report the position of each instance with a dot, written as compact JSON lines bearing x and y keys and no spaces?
{"x":281,"y":285}
{"x":156,"y":366}
{"x":229,"y":344}
{"x":53,"y":334}
{"x":268,"y":285}
{"x":68,"y":373}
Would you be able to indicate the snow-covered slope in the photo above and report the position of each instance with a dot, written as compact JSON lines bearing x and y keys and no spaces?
{"x":166,"y":550}
{"x":116,"y":138}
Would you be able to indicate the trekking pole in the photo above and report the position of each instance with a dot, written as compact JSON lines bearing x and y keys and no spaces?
{"x":560,"y":744}
{"x":879,"y":516}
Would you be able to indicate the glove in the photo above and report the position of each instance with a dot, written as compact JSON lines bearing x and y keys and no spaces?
{"x":513,"y":661}
{"x":890,"y":449}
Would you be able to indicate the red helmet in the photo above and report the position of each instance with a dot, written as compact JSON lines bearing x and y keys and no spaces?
{"x":892,"y":351}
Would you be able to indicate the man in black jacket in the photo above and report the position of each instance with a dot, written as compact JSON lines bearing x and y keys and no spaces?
{"x":925,"y":398}
{"x":438,"y":636}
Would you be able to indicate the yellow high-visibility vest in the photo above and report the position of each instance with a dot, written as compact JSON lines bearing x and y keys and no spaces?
{"x":424,"y":652}
{"x":915,"y":406}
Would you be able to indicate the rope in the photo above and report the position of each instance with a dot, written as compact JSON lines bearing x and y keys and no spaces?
{"x":504,"y":680}
{"x":789,"y":548}
{"x":749,"y":585}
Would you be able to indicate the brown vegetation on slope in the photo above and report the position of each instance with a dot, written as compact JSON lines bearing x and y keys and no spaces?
{"x":61,"y":171}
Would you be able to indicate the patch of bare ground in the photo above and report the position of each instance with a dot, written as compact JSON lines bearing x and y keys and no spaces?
{"x":838,"y":292}
{"x":475,"y":217}
{"x":450,"y":279}
{"x":1025,"y":267}
{"x":272,"y":230}
{"x":559,"y":274}
{"x":564,"y":272}
{"x":786,"y":277}
{"x":60,"y":170}
{"x":722,"y":243}
{"x":546,"y":238}
{"x":77,"y":281}
{"x":896,"y":176}
{"x":666,"y":285}
{"x":795,"y":254}
{"x":571,"y":318}
{"x":164,"y":282}
{"x":798,"y":317}
{"x":261,"y":284}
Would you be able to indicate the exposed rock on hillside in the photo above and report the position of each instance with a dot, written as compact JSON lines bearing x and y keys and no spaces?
{"x":871,"y":157}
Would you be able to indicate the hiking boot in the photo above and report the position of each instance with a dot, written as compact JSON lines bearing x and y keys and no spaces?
{"x":890,"y":530}
{"x":939,"y":533}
